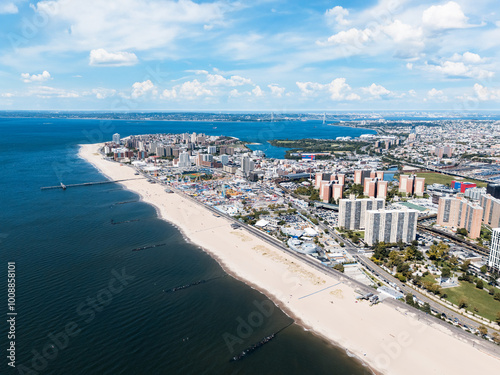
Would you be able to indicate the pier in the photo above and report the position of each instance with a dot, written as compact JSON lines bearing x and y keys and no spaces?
{"x":64,"y":187}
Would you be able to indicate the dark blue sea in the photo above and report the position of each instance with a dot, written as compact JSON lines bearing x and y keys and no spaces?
{"x":87,"y":304}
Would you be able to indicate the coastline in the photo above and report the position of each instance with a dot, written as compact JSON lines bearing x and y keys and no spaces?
{"x":351,"y":126}
{"x":386,"y":339}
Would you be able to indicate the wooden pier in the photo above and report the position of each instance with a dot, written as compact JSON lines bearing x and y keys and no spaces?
{"x":64,"y":187}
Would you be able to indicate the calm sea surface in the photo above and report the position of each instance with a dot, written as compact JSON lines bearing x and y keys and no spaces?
{"x":88,"y":304}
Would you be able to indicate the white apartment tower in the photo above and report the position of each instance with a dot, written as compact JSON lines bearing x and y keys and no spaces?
{"x":494,"y":257}
{"x":352,"y":211}
{"x":390,"y":226}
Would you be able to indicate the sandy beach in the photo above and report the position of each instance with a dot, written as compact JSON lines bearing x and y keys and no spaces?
{"x":388,"y":337}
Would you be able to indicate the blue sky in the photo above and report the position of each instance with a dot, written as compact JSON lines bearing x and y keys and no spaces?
{"x":249,"y":55}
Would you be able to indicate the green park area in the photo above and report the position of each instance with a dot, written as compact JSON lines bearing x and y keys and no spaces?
{"x":475,"y":298}
{"x":438,"y":178}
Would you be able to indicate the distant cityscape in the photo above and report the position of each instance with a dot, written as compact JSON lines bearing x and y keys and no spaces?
{"x":413,"y":210}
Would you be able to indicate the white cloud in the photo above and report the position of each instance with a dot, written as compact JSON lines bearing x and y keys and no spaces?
{"x":483,"y":93}
{"x":468,"y":57}
{"x":8,"y":8}
{"x":459,"y":69}
{"x":353,"y":37}
{"x":257,"y":91}
{"x":433,"y":92}
{"x":412,"y":93}
{"x":6,"y":95}
{"x":402,"y":33}
{"x":338,"y":89}
{"x":212,"y":86}
{"x":51,"y":92}
{"x":409,"y":66}
{"x":436,"y":95}
{"x":447,"y":16}
{"x":276,"y":90}
{"x":142,"y":88}
{"x":131,"y":25}
{"x":42,"y":77}
{"x":188,"y":90}
{"x":102,"y":93}
{"x":219,"y":80}
{"x":104,"y":58}
{"x":336,"y":15}
{"x":377,"y":91}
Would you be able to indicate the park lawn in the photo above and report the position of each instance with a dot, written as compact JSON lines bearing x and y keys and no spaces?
{"x":360,"y":233}
{"x":487,"y":306}
{"x":430,"y":277}
{"x":438,"y":178}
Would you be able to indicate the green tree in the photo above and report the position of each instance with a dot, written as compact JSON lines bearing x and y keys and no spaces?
{"x":463,"y":303}
{"x":426,"y":308}
{"x":479,"y":284}
{"x":339,"y":267}
{"x":465,"y":266}
{"x":409,"y":299}
{"x":483,"y":330}
{"x":484,"y":269}
{"x":496,"y":338}
{"x":446,"y":273}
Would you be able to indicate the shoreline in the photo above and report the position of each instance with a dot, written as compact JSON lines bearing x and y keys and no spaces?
{"x":363,"y":332}
{"x":279,"y":304}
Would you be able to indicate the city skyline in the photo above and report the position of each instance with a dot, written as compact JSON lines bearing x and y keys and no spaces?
{"x":264,"y":55}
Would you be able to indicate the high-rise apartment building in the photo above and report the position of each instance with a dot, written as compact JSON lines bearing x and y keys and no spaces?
{"x":390,"y":226}
{"x":494,"y":257}
{"x":460,"y":213}
{"x":352,"y":211}
{"x":184,"y":160}
{"x":411,"y":185}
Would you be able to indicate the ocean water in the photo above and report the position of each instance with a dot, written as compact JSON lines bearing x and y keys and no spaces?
{"x":88,"y":304}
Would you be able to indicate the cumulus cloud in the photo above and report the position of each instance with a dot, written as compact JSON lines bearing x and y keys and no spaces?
{"x":436,"y":95}
{"x":447,"y":16}
{"x":219,"y":80}
{"x":257,"y":91}
{"x":468,"y":57}
{"x":276,"y":90}
{"x":377,"y":91}
{"x":101,"y":57}
{"x":483,"y":93}
{"x":338,"y":89}
{"x":8,"y":8}
{"x":211,"y":86}
{"x":460,"y":70}
{"x":336,"y":15}
{"x":433,"y":92}
{"x":402,"y":33}
{"x":188,"y":90}
{"x":142,"y":88}
{"x":102,"y":93}
{"x":354,"y":37}
{"x":42,"y":77}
